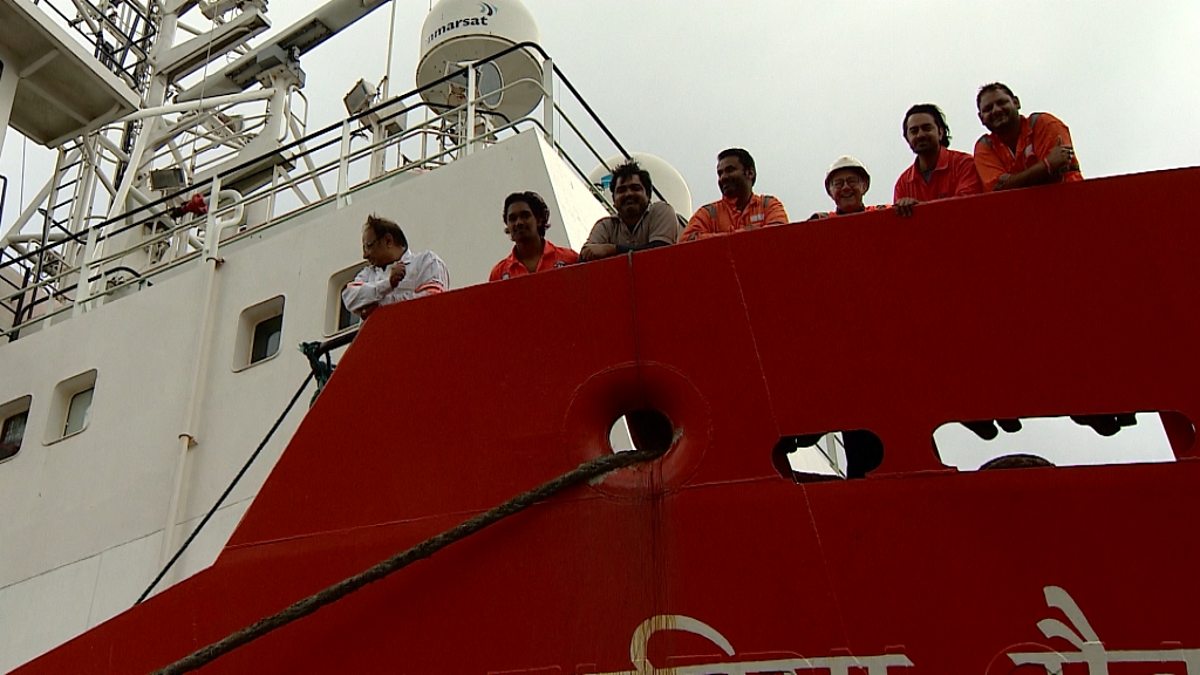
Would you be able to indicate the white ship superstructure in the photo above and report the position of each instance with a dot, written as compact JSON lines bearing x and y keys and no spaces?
{"x":194,"y":231}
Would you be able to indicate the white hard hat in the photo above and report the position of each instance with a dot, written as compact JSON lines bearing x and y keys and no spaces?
{"x":847,"y":162}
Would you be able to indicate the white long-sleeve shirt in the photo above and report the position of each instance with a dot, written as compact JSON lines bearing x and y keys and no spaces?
{"x":424,"y":274}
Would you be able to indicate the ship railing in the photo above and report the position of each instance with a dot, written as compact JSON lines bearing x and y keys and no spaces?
{"x":3,"y":195}
{"x":120,"y":33}
{"x":158,"y":236}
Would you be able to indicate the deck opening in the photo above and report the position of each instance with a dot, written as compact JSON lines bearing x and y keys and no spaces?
{"x":1017,"y":461}
{"x":641,"y":430}
{"x":1064,"y":440}
{"x":828,"y":455}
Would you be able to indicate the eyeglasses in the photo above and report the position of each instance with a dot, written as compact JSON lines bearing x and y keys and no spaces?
{"x":845,"y":182}
{"x":368,"y":245}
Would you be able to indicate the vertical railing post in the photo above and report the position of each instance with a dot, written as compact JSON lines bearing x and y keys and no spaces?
{"x":343,"y":183}
{"x":470,"y":123}
{"x":832,"y":442}
{"x":212,"y":234}
{"x":548,"y":99}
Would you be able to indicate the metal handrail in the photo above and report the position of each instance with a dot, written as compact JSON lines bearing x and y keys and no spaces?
{"x":162,"y":201}
{"x":157,"y":209}
{"x":3,"y":196}
{"x":127,"y":71}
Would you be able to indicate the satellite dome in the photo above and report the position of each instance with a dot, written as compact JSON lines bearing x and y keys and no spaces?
{"x":457,"y":31}
{"x":665,"y":178}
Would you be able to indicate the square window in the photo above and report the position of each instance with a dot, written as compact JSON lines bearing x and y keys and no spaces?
{"x":14,"y":416}
{"x":337,"y":317}
{"x":77,"y":412}
{"x":266,"y":338}
{"x":259,"y":334}
{"x":346,"y":318}
{"x":71,"y":406}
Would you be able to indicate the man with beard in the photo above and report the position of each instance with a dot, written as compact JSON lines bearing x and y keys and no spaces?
{"x":846,"y":183}
{"x":1021,"y":151}
{"x":739,"y":208}
{"x":393,"y":273}
{"x":938,"y":172}
{"x":526,"y":219}
{"x":638,"y":224}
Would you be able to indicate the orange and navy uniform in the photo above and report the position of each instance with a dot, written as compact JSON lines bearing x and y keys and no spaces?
{"x":822,"y":215}
{"x":954,"y":175}
{"x":1040,"y":133}
{"x":552,"y":258}
{"x":723,"y":217}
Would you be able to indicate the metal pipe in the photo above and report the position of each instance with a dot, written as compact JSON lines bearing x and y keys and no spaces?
{"x":199,"y":380}
{"x":343,"y":165}
{"x":469,"y":124}
{"x":200,"y":104}
{"x":548,"y":104}
{"x":30,"y":237}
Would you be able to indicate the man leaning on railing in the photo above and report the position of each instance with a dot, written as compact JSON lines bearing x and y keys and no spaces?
{"x":394,"y":273}
{"x":638,"y":224}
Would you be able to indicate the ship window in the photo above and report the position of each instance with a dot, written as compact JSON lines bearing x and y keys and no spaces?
{"x":1069,"y":440}
{"x":71,"y":406}
{"x":337,"y":317}
{"x":77,"y":412}
{"x":260,"y":332}
{"x":13,"y":418}
{"x":266,"y":338}
{"x":829,"y":455}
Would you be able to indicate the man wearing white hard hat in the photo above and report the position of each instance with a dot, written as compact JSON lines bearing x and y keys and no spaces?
{"x":846,"y":182}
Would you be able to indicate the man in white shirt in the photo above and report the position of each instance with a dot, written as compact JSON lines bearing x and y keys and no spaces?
{"x":393,"y":273}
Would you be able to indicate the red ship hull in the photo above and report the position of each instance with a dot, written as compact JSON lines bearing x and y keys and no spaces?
{"x":1069,"y":300}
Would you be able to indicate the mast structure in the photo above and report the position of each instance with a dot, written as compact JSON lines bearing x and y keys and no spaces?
{"x":206,"y":102}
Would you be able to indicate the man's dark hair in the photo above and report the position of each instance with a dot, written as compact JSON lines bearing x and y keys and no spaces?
{"x":743,"y":157}
{"x":381,"y":227}
{"x":938,"y":118}
{"x":627,"y":170}
{"x":1018,"y":461}
{"x":535,"y":203}
{"x":993,"y":87}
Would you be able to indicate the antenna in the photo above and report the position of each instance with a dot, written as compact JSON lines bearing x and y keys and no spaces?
{"x":463,"y":31}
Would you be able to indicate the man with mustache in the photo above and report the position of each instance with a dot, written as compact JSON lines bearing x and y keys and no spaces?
{"x":638,"y":224}
{"x":938,"y":172}
{"x":739,"y":208}
{"x":1021,"y":151}
{"x":526,"y":219}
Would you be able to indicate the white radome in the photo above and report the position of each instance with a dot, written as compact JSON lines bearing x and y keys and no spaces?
{"x":666,"y":179}
{"x":458,"y":31}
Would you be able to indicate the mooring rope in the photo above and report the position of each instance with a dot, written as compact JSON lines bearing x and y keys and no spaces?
{"x":588,"y":471}
{"x":225,"y":494}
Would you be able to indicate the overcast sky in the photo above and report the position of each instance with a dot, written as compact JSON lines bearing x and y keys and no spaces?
{"x":800,"y":83}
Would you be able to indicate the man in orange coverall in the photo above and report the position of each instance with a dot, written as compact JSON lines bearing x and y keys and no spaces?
{"x":739,"y":208}
{"x":1021,"y":151}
